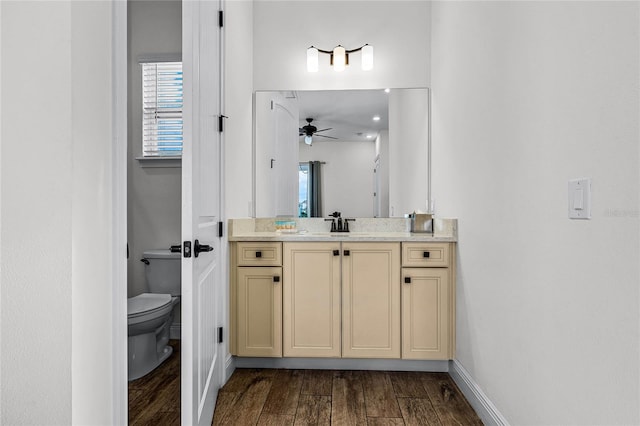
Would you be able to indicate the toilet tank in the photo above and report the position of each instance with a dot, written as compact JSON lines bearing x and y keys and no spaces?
{"x":163,"y":271}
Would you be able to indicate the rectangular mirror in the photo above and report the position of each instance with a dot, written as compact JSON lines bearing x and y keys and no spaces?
{"x":364,"y":153}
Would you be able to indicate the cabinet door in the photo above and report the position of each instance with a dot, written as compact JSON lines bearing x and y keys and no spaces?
{"x":371,"y":300}
{"x":425,"y":313}
{"x":259,"y":323}
{"x":311,"y":302}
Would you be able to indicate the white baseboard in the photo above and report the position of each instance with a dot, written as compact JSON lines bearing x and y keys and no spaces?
{"x":479,"y":401}
{"x":229,"y":368}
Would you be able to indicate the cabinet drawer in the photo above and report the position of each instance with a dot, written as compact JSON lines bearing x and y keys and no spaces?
{"x":426,"y":254}
{"x":259,"y":254}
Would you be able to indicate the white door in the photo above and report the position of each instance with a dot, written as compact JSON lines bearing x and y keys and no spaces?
{"x":201,"y":212}
{"x":285,"y":114}
{"x":276,"y":154}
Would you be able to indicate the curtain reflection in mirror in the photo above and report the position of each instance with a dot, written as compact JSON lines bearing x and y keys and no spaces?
{"x":310,"y":189}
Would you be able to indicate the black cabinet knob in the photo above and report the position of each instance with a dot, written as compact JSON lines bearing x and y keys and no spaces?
{"x":407,"y":280}
{"x":258,"y":254}
{"x":425,"y":254}
{"x":336,"y":252}
{"x":347,"y":253}
{"x":276,"y":279}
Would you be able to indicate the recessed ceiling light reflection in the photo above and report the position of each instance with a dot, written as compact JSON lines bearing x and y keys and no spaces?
{"x":376,"y":118}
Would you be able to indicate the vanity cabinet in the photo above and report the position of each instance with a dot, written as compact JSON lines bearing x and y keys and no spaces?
{"x":258,"y":294}
{"x":428,"y":312}
{"x":370,"y":300}
{"x":343,"y":299}
{"x":311,"y":299}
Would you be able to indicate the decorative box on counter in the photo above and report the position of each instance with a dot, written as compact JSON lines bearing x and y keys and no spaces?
{"x":421,"y":222}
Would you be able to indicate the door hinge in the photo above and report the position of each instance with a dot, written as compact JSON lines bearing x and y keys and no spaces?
{"x":186,"y":250}
{"x":220,"y":18}
{"x":220,"y":335}
{"x":221,"y":122}
{"x":220,"y":229}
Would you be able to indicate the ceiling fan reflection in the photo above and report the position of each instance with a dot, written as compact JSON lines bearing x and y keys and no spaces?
{"x":309,"y":130}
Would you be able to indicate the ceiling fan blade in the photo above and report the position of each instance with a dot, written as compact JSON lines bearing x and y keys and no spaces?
{"x":323,"y":136}
{"x":328,"y":128}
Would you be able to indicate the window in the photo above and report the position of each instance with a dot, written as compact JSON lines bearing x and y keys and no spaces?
{"x":161,"y":109}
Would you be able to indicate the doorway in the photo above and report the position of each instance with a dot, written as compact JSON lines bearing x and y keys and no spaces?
{"x":154,"y":180}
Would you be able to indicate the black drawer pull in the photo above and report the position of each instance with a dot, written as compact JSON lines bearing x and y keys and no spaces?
{"x":347,"y":253}
{"x":336,"y":252}
{"x":258,"y":254}
{"x":407,"y":280}
{"x":276,"y":279}
{"x":425,"y":254}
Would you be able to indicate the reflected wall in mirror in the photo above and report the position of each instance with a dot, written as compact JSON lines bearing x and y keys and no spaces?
{"x":361,"y":152}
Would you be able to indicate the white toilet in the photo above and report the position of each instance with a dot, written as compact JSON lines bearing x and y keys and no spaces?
{"x":149,"y":315}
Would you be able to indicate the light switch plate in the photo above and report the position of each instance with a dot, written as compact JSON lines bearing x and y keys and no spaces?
{"x":580,"y":198}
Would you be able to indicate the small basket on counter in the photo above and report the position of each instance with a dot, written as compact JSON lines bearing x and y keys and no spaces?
{"x":286,"y":226}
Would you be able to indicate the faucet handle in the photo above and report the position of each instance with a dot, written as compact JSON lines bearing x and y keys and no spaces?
{"x":333,"y":224}
{"x":346,"y":224}
{"x":335,"y":214}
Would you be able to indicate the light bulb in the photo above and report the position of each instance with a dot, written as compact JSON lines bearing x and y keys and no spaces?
{"x":339,"y":58}
{"x":312,"y":59}
{"x":308,"y":140}
{"x":367,"y":58}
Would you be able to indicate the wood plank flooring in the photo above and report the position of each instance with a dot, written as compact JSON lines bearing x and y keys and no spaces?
{"x":155,"y":398}
{"x":307,"y":397}
{"x":322,"y":397}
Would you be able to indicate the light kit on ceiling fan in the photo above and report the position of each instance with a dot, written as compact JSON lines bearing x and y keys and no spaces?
{"x":309,"y":131}
{"x":339,"y":57}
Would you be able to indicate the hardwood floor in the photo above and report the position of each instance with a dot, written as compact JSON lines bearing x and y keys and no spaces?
{"x":323,"y":397}
{"x":307,"y":397}
{"x":155,"y":398}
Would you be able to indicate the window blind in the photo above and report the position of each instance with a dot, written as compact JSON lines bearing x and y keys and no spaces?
{"x":161,"y":109}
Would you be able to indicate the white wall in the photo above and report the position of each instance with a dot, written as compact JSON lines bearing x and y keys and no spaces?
{"x":92,"y":213}
{"x":154,"y":194}
{"x":56,"y":211}
{"x":399,"y":32}
{"x":347,"y":176}
{"x":238,"y":104}
{"x":37,"y":178}
{"x":525,"y":97}
{"x":274,"y":58}
{"x":408,"y":149}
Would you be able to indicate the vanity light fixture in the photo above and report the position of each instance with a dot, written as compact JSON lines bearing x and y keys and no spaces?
{"x":340,"y":57}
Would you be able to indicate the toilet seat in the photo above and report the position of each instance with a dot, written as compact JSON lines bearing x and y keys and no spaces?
{"x":147,"y":304}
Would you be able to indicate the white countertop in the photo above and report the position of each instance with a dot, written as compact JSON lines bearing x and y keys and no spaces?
{"x":248,"y":230}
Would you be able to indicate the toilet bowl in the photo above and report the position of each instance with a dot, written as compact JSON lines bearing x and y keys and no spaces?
{"x":150,"y":315}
